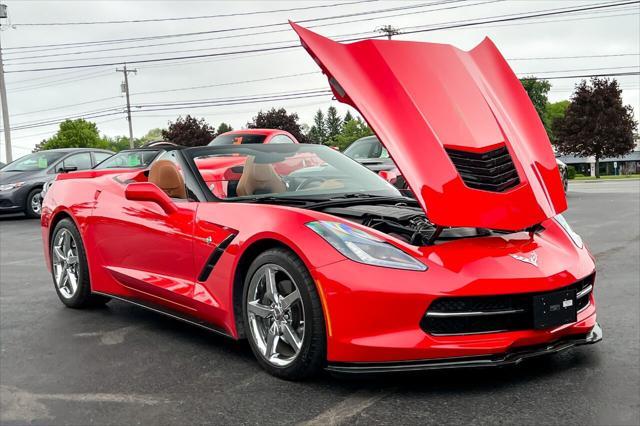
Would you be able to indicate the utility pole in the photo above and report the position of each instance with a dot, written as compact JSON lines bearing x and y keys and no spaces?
{"x":388,"y":30}
{"x":125,"y":89}
{"x":3,"y":96}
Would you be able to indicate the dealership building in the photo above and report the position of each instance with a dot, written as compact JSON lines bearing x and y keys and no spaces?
{"x":626,"y":165}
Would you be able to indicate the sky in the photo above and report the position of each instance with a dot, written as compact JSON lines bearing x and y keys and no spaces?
{"x":586,"y":42}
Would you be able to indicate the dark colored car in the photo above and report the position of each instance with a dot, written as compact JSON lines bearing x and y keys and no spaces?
{"x":369,"y":152}
{"x":22,"y":180}
{"x":137,"y":158}
{"x":564,"y":173}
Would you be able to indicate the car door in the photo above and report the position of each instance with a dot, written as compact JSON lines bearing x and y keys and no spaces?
{"x":79,"y":161}
{"x":147,"y":251}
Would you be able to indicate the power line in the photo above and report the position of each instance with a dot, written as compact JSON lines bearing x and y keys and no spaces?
{"x":547,"y":12}
{"x":188,"y":18}
{"x":224,"y":30}
{"x":235,"y":36}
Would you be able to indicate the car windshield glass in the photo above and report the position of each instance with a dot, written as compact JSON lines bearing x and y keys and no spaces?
{"x":129,"y":159}
{"x":36,"y":161}
{"x":284,"y":171}
{"x":237,"y":139}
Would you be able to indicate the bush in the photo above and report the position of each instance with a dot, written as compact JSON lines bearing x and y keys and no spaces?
{"x":571,"y":172}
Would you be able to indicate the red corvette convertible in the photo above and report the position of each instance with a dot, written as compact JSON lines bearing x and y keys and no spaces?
{"x":319,"y":262}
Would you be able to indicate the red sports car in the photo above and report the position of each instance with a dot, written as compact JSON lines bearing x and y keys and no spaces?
{"x":253,"y":136}
{"x":319,"y":262}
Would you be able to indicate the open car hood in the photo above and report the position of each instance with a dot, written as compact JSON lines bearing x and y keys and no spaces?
{"x":459,"y":126}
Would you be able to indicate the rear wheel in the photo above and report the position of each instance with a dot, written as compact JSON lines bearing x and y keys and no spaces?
{"x":283,"y":316}
{"x":33,"y":206}
{"x":69,"y":267}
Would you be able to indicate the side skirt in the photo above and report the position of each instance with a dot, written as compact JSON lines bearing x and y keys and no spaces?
{"x":170,"y":313}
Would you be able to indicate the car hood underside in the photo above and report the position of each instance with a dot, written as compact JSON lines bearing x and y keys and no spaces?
{"x":458,"y":124}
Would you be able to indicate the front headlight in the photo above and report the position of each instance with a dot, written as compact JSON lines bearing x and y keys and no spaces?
{"x":10,"y":186}
{"x":363,"y":247}
{"x":577,"y":239}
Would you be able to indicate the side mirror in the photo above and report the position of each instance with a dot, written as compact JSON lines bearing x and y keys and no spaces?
{"x":67,"y":169}
{"x":388,"y":175}
{"x":146,"y":191}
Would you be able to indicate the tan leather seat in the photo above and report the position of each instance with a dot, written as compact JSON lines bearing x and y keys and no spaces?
{"x":259,"y":179}
{"x":166,"y":176}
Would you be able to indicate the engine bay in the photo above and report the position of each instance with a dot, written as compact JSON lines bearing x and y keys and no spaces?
{"x":405,"y":222}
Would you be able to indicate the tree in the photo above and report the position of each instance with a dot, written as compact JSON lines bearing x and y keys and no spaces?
{"x":334,"y":123}
{"x":223,"y":128}
{"x":75,"y":134}
{"x":189,"y":131}
{"x":278,"y":119}
{"x":318,"y":132}
{"x":152,"y":135}
{"x":596,"y":122}
{"x":351,"y":131}
{"x":554,"y":111}
{"x":347,"y":117}
{"x":537,"y":91}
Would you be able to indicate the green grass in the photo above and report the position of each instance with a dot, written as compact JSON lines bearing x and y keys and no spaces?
{"x":636,"y":176}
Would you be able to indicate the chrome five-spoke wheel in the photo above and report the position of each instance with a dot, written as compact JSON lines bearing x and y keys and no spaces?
{"x":276,"y":315}
{"x":65,"y":263}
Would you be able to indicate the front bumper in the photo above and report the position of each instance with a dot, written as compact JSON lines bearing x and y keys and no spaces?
{"x":13,"y":201}
{"x":508,"y":358}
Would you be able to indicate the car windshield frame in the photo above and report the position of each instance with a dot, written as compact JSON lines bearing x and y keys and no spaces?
{"x":190,"y":155}
{"x":56,"y":156}
{"x":157,"y":152}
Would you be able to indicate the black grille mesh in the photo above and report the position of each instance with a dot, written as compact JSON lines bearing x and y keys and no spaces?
{"x":483,"y":324}
{"x":490,"y":171}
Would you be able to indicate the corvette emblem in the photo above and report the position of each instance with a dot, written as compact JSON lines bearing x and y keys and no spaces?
{"x":532,"y":260}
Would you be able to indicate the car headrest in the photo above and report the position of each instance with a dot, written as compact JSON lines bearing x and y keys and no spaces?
{"x":166,"y":176}
{"x":259,"y":179}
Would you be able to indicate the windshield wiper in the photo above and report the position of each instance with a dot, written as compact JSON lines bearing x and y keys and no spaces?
{"x":303,"y":201}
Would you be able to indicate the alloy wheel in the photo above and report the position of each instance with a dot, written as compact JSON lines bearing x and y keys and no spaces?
{"x":65,"y":263}
{"x":276,"y":315}
{"x":36,"y":203}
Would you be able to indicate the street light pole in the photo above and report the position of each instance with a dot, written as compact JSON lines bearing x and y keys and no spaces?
{"x":126,"y":90}
{"x":3,"y":97}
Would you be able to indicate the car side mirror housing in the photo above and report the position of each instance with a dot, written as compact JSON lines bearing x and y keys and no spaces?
{"x":147,"y":191}
{"x":388,"y":175}
{"x":67,"y":169}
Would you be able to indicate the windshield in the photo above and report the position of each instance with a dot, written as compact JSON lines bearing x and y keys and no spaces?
{"x":36,"y":161}
{"x":237,"y":139}
{"x":301,"y":171}
{"x":129,"y":159}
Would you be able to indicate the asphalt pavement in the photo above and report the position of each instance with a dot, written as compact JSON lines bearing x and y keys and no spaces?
{"x":124,"y":365}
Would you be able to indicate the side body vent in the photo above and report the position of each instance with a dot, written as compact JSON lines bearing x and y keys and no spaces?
{"x":489,"y":171}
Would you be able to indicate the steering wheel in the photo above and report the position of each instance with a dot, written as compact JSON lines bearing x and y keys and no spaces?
{"x":308,"y":181}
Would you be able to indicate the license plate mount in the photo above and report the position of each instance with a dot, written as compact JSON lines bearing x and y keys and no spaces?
{"x":554,"y":309}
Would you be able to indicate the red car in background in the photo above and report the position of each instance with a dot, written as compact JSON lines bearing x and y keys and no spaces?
{"x":320,"y":263}
{"x":251,"y":136}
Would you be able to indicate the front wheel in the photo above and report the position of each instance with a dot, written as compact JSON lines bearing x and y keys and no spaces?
{"x":69,"y":267}
{"x":33,"y":205}
{"x":283,"y":316}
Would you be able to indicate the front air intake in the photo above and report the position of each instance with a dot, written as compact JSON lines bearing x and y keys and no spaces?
{"x":489,"y":171}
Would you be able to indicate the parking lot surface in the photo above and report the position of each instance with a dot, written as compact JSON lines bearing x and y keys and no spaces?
{"x":124,"y":365}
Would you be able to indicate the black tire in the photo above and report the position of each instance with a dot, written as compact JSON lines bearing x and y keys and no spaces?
{"x":312,"y":355}
{"x":82,"y":298}
{"x":28,"y":208}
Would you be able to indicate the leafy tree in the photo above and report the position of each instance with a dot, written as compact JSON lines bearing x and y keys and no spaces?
{"x":334,"y":123}
{"x":278,"y":119}
{"x":189,"y":131}
{"x":119,"y":143}
{"x":554,"y":111}
{"x":223,"y":128}
{"x":152,"y":135}
{"x":352,"y":130}
{"x":537,"y":91}
{"x":596,"y":122}
{"x":75,"y":134}
{"x":318,"y":132}
{"x":347,"y":117}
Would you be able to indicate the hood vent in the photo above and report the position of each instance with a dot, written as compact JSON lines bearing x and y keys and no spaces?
{"x":492,"y":171}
